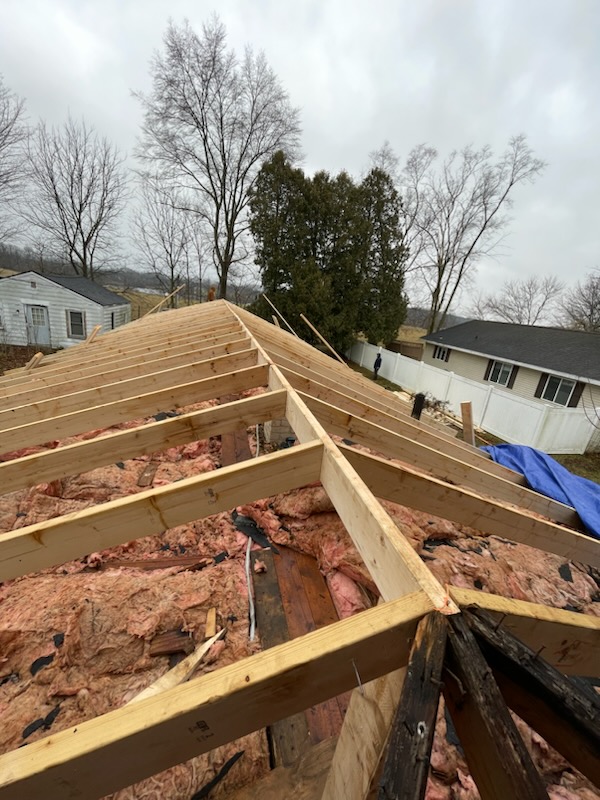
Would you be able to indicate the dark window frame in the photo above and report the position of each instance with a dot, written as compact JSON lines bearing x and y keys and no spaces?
{"x":70,"y":333}
{"x":441,"y":353}
{"x":496,"y":369}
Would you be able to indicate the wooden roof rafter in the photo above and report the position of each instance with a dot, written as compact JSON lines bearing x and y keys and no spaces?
{"x":408,"y":588}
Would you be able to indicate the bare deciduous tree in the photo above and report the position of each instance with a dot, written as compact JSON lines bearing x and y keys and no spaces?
{"x":530,"y":301}
{"x":77,"y":189}
{"x":581,"y":306}
{"x":209,"y":123}
{"x":13,"y":132}
{"x":164,"y":237}
{"x":456,"y":214}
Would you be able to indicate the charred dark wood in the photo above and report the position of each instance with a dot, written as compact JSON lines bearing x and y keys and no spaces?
{"x":495,"y":752}
{"x":406,"y":766}
{"x":564,"y":711}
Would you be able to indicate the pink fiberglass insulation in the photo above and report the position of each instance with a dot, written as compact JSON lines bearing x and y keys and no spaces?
{"x":90,"y":626}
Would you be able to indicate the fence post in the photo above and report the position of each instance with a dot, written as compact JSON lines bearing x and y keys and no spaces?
{"x":486,"y":403}
{"x":538,"y":427}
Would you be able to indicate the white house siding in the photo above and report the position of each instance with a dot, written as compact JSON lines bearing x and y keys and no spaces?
{"x":464,"y":364}
{"x":31,"y":289}
{"x":526,"y":382}
{"x":122,"y":315}
{"x":516,"y":419}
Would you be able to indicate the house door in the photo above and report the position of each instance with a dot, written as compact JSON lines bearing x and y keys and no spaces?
{"x":38,"y":325}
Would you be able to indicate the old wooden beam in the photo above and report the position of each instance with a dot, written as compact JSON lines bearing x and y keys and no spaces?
{"x":496,"y":754}
{"x":565,"y":713}
{"x":570,"y":641}
{"x":406,"y":767}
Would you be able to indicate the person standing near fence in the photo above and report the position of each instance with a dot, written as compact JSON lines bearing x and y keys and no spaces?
{"x":376,"y":366}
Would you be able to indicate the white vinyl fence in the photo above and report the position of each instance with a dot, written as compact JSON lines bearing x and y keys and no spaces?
{"x":512,"y":418}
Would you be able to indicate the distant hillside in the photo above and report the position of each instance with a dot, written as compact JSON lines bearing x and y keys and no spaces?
{"x":419,"y":318}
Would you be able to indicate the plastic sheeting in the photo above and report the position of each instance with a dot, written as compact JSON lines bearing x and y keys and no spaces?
{"x":548,"y":477}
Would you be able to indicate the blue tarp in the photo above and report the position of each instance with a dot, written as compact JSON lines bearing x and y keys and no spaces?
{"x":547,"y":476}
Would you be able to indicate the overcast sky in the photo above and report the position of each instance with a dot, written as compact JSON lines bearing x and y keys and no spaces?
{"x":444,"y":72}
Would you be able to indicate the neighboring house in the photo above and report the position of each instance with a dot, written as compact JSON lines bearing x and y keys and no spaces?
{"x":552,"y":365}
{"x":56,"y":310}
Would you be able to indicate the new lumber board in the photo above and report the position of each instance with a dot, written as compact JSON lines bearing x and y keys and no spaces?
{"x":134,"y":408}
{"x":102,"y":755}
{"x":442,"y":465}
{"x":399,"y":424}
{"x":425,"y":493}
{"x":57,"y":540}
{"x":150,"y":438}
{"x":124,"y":389}
{"x":122,"y":369}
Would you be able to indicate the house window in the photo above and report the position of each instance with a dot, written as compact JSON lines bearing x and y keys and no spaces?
{"x":558,"y":390}
{"x":500,"y":373}
{"x":441,"y":353}
{"x":75,"y":324}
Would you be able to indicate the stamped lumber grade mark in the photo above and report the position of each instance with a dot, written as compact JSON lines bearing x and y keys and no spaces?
{"x":200,"y":730}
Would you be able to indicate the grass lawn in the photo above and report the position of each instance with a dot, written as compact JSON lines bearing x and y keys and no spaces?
{"x":588,"y":465}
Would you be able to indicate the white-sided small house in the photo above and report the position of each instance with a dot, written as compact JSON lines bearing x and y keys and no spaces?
{"x":56,"y":310}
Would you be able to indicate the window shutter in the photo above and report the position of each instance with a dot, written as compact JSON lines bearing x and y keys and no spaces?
{"x":488,"y":369}
{"x":541,"y":384}
{"x":577,"y":392}
{"x":513,"y":375}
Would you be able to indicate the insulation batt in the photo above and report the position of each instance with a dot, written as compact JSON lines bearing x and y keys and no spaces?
{"x":91,"y":625}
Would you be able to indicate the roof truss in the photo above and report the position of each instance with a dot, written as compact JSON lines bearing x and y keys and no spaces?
{"x":200,"y":353}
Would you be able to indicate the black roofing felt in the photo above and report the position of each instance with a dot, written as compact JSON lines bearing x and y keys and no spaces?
{"x":89,"y":289}
{"x":550,"y":349}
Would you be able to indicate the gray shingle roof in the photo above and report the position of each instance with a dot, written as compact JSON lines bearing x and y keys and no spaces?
{"x":86,"y":288}
{"x":549,"y":349}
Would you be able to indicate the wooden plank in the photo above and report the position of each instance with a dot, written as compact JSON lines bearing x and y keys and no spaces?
{"x":425,"y":493}
{"x":33,"y":362}
{"x":442,"y":465}
{"x":466,"y":411}
{"x":235,"y":447}
{"x":180,"y":673}
{"x":363,"y":737}
{"x":144,"y":405}
{"x":76,"y":380}
{"x":304,"y":780}
{"x":392,"y":563}
{"x":95,"y":331}
{"x":496,"y":755}
{"x":565,"y":714}
{"x":102,"y":755}
{"x":406,"y":767}
{"x":324,"y":719}
{"x":289,"y":737}
{"x":148,"y":513}
{"x":148,"y":474}
{"x":92,"y":453}
{"x":568,"y":640}
{"x":280,"y":343}
{"x":103,"y":354}
{"x":405,"y":426}
{"x":173,"y":641}
{"x":210,"y":628}
{"x":125,"y":389}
